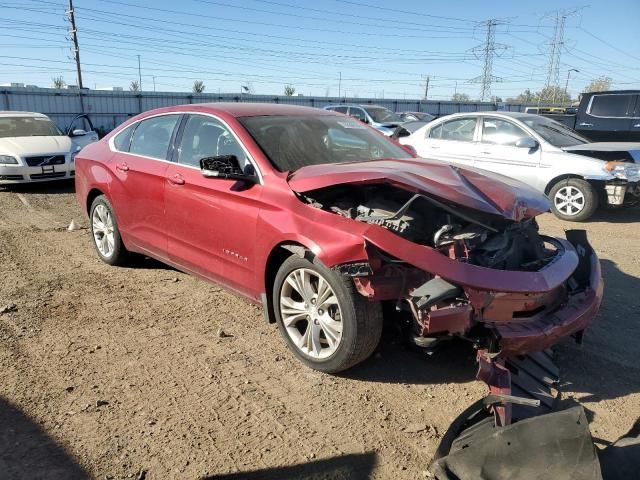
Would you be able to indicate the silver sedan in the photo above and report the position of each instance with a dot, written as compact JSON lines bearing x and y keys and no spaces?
{"x":576,"y":175}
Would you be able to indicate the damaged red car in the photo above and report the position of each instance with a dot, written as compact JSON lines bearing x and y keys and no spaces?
{"x":322,"y":220}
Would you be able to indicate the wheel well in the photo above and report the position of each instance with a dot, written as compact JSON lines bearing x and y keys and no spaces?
{"x":557,"y":179}
{"x":93,"y":194}
{"x":276,"y":258}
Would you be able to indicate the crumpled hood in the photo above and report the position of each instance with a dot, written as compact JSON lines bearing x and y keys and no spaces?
{"x":33,"y":146}
{"x":469,"y":187}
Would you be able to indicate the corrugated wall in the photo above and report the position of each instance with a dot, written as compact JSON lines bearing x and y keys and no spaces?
{"x":108,"y":109}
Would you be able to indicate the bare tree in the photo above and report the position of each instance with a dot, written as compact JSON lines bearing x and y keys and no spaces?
{"x":601,"y":84}
{"x":289,"y":90}
{"x":58,"y":82}
{"x":198,"y":86}
{"x":134,"y":86}
{"x":460,"y":97}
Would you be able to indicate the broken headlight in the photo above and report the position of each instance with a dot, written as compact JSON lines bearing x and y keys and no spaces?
{"x":623,"y":170}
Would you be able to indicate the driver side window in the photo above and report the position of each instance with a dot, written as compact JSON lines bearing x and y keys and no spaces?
{"x":204,"y":137}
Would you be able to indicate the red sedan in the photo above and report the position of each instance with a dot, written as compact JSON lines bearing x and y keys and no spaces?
{"x":322,"y":220}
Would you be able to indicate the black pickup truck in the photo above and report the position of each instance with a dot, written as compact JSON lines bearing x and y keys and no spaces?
{"x":612,"y":116}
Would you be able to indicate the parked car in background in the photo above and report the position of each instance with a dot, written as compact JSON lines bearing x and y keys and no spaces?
{"x":34,"y":149}
{"x":602,"y":116}
{"x":577,"y":175}
{"x":321,"y":220}
{"x":416,"y":116}
{"x":407,"y":128}
{"x":380,"y":118}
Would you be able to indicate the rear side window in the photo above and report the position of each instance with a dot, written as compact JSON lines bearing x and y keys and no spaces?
{"x":357,"y":113}
{"x":123,"y":139}
{"x":152,"y":137}
{"x":611,"y":106}
{"x":340,"y":109}
{"x":461,"y":129}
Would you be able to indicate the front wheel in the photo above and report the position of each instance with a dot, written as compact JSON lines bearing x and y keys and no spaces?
{"x":327,"y":324}
{"x":573,"y":199}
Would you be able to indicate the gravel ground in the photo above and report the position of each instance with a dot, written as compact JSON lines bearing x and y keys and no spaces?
{"x":122,"y":373}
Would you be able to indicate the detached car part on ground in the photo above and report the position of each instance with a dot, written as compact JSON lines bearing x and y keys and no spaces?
{"x":322,"y":221}
{"x":577,"y":175}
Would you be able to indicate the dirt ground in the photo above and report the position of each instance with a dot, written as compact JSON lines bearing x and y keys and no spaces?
{"x":120,"y":372}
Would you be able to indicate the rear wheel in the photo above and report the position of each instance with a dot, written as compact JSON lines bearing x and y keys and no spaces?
{"x":327,"y":324}
{"x":573,"y":199}
{"x":105,"y":233}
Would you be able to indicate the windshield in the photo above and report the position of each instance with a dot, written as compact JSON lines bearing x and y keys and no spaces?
{"x":292,"y":142}
{"x":28,"y":127}
{"x":382,"y":115}
{"x":553,"y":132}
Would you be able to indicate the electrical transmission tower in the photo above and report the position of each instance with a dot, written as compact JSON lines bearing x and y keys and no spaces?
{"x":487,"y":51}
{"x":556,"y":46}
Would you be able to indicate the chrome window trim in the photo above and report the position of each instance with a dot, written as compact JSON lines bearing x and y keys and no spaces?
{"x":610,"y":94}
{"x":226,"y":125}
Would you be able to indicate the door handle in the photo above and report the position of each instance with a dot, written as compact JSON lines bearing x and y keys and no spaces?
{"x":435,"y":147}
{"x":176,"y":179}
{"x":122,"y":167}
{"x":486,"y":152}
{"x":583,"y":124}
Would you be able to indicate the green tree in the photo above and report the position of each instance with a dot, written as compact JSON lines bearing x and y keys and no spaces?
{"x":460,"y":97}
{"x":198,"y":86}
{"x":600,"y":84}
{"x":134,"y":86}
{"x":525,"y":97}
{"x":289,"y":90}
{"x":555,"y":95}
{"x":58,"y":82}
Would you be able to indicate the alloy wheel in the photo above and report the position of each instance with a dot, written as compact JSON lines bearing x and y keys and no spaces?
{"x":311,"y":313}
{"x":103,"y":230}
{"x":569,"y":200}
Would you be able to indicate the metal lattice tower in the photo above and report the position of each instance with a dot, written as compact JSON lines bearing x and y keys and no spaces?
{"x":487,"y":51}
{"x":556,"y":46}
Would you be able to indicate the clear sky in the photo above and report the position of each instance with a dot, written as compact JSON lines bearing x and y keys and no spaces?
{"x":377,"y":48}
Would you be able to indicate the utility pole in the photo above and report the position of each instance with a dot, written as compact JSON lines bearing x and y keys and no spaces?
{"x":487,"y":51}
{"x":139,"y":74}
{"x":566,"y":85}
{"x":426,"y":87}
{"x":74,"y":39}
{"x":340,"y":85}
{"x":154,"y":82}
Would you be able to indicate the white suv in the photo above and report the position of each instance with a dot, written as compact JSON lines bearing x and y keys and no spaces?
{"x":33,"y":149}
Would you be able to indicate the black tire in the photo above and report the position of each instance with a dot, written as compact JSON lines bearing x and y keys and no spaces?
{"x":361,"y":318}
{"x":119,"y":254}
{"x":589,"y":199}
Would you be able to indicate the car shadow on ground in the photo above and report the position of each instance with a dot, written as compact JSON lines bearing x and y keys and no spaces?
{"x":27,"y":452}
{"x":346,"y":467}
{"x":606,"y":365}
{"x":49,"y":188}
{"x":395,"y":361}
{"x":629,"y":214}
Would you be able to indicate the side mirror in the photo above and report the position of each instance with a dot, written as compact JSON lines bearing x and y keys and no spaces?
{"x":228,"y":167}
{"x":527,"y":142}
{"x":78,"y":133}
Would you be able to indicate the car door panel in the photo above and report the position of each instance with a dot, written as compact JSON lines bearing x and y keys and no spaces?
{"x":211,"y":222}
{"x":451,"y":141}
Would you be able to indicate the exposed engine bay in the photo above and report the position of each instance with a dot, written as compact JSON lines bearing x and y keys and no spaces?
{"x":458,"y":232}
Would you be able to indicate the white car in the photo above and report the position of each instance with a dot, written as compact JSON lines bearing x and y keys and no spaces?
{"x":33,"y":149}
{"x":575,"y":174}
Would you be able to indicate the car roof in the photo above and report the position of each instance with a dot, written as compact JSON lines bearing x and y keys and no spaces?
{"x":361,"y":105}
{"x":9,"y":113}
{"x":244,"y":109}
{"x":494,"y":113}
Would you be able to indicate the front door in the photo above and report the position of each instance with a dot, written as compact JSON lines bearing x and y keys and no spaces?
{"x":211,"y":222}
{"x":498,"y":151}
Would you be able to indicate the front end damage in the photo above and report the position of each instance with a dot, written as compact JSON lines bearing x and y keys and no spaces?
{"x":453,"y":271}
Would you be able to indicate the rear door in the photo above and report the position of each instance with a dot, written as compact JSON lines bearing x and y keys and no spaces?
{"x":140,"y":165}
{"x":453,"y":141}
{"x":498,"y":152}
{"x":211,"y":222}
{"x":609,"y":117}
